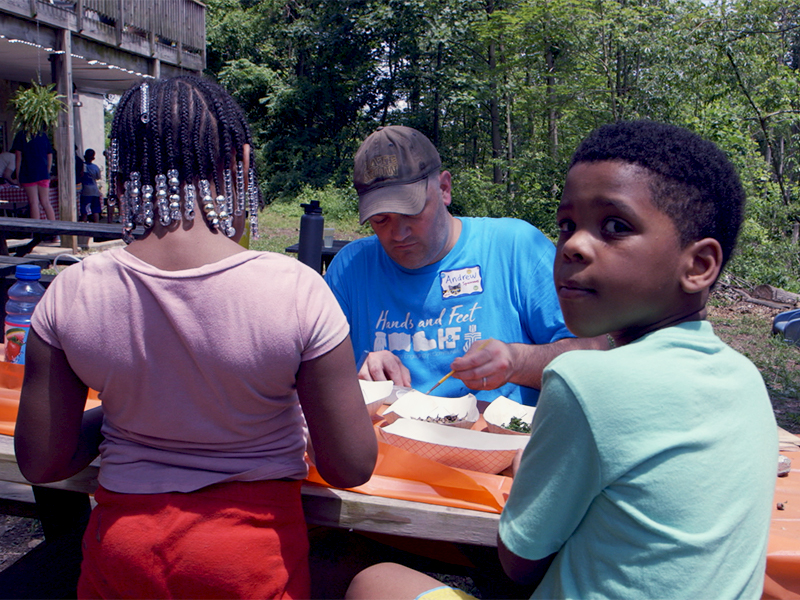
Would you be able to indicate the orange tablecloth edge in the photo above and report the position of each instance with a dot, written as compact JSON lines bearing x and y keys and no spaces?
{"x":405,"y":476}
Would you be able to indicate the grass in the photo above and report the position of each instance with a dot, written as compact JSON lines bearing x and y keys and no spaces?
{"x":748,"y":329}
{"x":279,"y":225}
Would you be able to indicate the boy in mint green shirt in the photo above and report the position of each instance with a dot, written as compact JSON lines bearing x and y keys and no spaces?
{"x":651,"y":468}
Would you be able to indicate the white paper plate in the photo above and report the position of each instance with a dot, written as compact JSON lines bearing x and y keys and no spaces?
{"x":454,"y":447}
{"x":498,"y":414}
{"x":375,"y":394}
{"x":416,"y":405}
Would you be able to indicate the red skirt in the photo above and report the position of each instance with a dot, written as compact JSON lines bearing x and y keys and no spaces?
{"x":230,"y":540}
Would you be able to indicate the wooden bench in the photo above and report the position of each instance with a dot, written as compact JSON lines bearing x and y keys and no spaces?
{"x":329,"y":507}
{"x":40,"y":229}
{"x":63,"y":509}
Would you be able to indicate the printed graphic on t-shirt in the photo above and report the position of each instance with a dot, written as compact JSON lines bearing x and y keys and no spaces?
{"x":461,"y":282}
{"x":454,"y":327}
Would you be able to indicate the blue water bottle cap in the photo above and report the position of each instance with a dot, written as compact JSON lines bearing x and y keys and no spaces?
{"x":28,"y":272}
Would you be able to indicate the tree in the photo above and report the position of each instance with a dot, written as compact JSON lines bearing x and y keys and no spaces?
{"x":506,"y":89}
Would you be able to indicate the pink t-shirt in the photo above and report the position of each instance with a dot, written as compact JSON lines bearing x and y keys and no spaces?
{"x":195,"y":368}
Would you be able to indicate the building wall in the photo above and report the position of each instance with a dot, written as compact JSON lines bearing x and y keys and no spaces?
{"x":90,"y":130}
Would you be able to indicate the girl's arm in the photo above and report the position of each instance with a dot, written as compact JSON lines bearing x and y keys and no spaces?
{"x":340,"y":427}
{"x":54,"y":437}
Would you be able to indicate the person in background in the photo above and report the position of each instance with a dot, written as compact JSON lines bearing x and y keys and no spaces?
{"x":91,"y":197}
{"x":7,"y":166}
{"x":629,"y":486}
{"x":430,"y":292}
{"x":34,"y":160}
{"x":79,"y":165}
{"x":213,"y":364}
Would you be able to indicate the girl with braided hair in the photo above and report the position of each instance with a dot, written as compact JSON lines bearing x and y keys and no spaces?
{"x":213,"y":363}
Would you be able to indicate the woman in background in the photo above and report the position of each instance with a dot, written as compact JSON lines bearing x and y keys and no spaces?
{"x":206,"y":357}
{"x":34,"y":162}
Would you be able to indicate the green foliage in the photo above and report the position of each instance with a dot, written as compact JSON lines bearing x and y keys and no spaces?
{"x":507,"y":89}
{"x":760,"y":258}
{"x":337,"y":203}
{"x":36,"y":108}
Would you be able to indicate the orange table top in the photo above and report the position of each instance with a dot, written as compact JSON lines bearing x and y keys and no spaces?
{"x":405,"y":476}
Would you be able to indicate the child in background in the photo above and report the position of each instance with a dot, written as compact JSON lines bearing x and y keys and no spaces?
{"x":90,"y":192}
{"x":651,"y":468}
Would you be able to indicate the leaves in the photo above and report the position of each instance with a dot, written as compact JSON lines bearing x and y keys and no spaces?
{"x":507,"y":89}
{"x":36,"y":108}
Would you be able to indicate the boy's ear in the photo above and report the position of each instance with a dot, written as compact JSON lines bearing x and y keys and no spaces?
{"x":703,"y":261}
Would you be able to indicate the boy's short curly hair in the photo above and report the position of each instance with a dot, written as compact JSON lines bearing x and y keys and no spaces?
{"x":693,"y":182}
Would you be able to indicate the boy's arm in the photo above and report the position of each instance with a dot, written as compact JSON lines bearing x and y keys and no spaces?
{"x":522,"y":570}
{"x":558,"y":478}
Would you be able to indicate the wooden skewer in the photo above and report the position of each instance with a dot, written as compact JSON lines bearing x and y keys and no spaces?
{"x":481,"y":347}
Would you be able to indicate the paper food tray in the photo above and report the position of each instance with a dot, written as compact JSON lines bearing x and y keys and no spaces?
{"x":419,"y":406}
{"x":375,"y":393}
{"x":454,"y":447}
{"x":498,"y":414}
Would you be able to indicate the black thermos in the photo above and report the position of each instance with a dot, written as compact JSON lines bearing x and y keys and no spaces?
{"x":311,"y":225}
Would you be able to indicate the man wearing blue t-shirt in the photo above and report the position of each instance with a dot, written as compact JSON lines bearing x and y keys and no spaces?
{"x":430,"y":292}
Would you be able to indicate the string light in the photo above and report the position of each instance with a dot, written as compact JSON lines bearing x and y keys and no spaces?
{"x":92,"y":62}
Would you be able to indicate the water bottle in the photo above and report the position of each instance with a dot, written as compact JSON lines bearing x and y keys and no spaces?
{"x":22,"y":299}
{"x":311,"y":225}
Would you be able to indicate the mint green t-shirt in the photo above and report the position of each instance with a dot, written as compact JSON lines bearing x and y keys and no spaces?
{"x":650,"y":471}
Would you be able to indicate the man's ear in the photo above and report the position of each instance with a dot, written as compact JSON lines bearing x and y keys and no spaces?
{"x":702,"y":264}
{"x":446,"y":185}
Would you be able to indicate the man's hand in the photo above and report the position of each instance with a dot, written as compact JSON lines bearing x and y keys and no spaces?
{"x":490,"y":366}
{"x":384,"y":366}
{"x":485,"y":366}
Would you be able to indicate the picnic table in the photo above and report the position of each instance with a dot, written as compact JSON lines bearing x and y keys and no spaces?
{"x":8,"y":264}
{"x":41,"y":229}
{"x":327,"y":252}
{"x":413,"y":497}
{"x":14,"y":201}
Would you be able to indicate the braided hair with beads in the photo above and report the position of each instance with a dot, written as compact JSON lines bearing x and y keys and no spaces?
{"x":180,"y":131}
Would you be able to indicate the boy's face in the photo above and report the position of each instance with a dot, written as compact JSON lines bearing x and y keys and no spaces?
{"x":617,"y":262}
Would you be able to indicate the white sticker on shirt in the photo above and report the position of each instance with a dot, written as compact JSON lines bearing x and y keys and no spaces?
{"x":461,"y":282}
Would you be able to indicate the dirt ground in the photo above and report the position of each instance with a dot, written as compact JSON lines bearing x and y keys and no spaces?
{"x":18,"y":535}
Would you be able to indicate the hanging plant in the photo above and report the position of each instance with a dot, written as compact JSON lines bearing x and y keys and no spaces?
{"x":36,"y":107}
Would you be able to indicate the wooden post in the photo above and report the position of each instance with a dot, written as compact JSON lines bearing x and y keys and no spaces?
{"x":79,"y":15}
{"x":65,"y":138}
{"x":120,"y":21}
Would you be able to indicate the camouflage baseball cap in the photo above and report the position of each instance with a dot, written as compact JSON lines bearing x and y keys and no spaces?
{"x":391,"y":171}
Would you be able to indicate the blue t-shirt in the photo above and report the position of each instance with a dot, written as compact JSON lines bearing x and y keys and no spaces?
{"x":91,"y":175}
{"x":650,"y":472}
{"x":34,"y":157}
{"x":496,"y":282}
